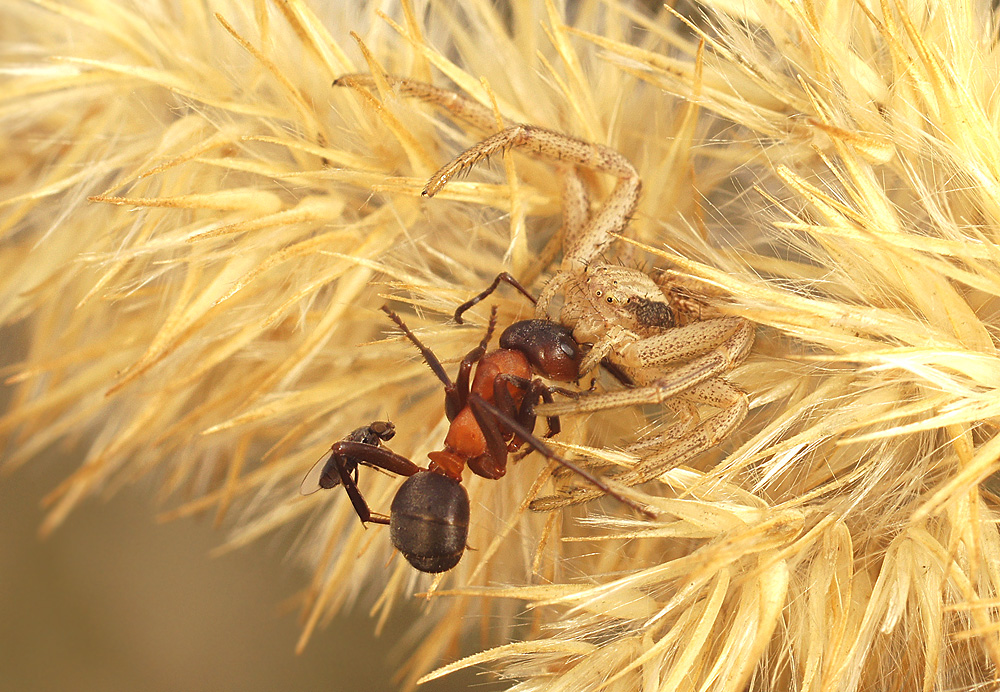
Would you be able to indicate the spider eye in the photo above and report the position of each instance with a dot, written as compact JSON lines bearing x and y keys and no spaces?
{"x":598,"y":293}
{"x":610,"y":299}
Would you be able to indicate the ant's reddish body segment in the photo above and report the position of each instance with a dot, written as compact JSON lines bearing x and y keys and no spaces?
{"x":490,"y":416}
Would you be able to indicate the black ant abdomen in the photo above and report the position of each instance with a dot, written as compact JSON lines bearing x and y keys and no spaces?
{"x":429,"y":521}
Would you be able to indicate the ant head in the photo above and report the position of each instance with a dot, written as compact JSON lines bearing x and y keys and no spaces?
{"x":549,"y":347}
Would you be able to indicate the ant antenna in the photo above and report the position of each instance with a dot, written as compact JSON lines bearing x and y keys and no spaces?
{"x":503,"y":276}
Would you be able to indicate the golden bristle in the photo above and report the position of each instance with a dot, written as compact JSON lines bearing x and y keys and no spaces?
{"x":198,"y":231}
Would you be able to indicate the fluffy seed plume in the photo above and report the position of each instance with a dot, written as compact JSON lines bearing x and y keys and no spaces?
{"x":198,"y":231}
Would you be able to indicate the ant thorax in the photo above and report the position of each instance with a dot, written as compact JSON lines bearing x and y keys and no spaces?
{"x":494,"y":363}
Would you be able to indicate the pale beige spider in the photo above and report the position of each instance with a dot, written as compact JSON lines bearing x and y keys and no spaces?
{"x":630,"y":321}
{"x":626,"y":316}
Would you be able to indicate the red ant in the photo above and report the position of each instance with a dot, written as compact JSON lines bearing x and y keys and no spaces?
{"x":491,"y":417}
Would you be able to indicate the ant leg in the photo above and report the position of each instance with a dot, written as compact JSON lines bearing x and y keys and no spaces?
{"x":493,"y":464}
{"x":454,"y":396}
{"x":534,"y":391}
{"x":483,"y":411}
{"x":361,"y":507}
{"x":379,"y":457}
{"x":541,"y":392}
{"x":428,"y":354}
{"x":489,"y":328}
{"x":504,"y":401}
{"x":461,"y":391}
{"x":502,"y":276}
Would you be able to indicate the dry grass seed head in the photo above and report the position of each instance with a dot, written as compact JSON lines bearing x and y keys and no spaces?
{"x":832,"y":169}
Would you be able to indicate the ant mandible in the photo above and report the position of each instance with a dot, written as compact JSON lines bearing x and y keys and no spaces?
{"x":490,"y":417}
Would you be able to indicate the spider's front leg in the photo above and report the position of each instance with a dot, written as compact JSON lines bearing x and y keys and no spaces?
{"x":584,"y":236}
{"x":669,"y":450}
{"x":459,"y":106}
{"x":581,"y":244}
{"x":648,"y":357}
{"x":564,"y":149}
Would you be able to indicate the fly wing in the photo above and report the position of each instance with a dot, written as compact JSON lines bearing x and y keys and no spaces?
{"x":323,"y":474}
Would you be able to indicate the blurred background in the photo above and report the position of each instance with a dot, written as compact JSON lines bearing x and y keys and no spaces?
{"x":115,"y":600}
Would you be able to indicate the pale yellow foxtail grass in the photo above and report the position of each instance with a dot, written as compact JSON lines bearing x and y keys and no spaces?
{"x":198,"y":231}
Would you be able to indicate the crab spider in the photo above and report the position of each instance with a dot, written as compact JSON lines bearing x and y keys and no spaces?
{"x":627,"y":317}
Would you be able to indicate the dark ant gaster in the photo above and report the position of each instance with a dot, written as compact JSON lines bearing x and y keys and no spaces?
{"x":490,"y":417}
